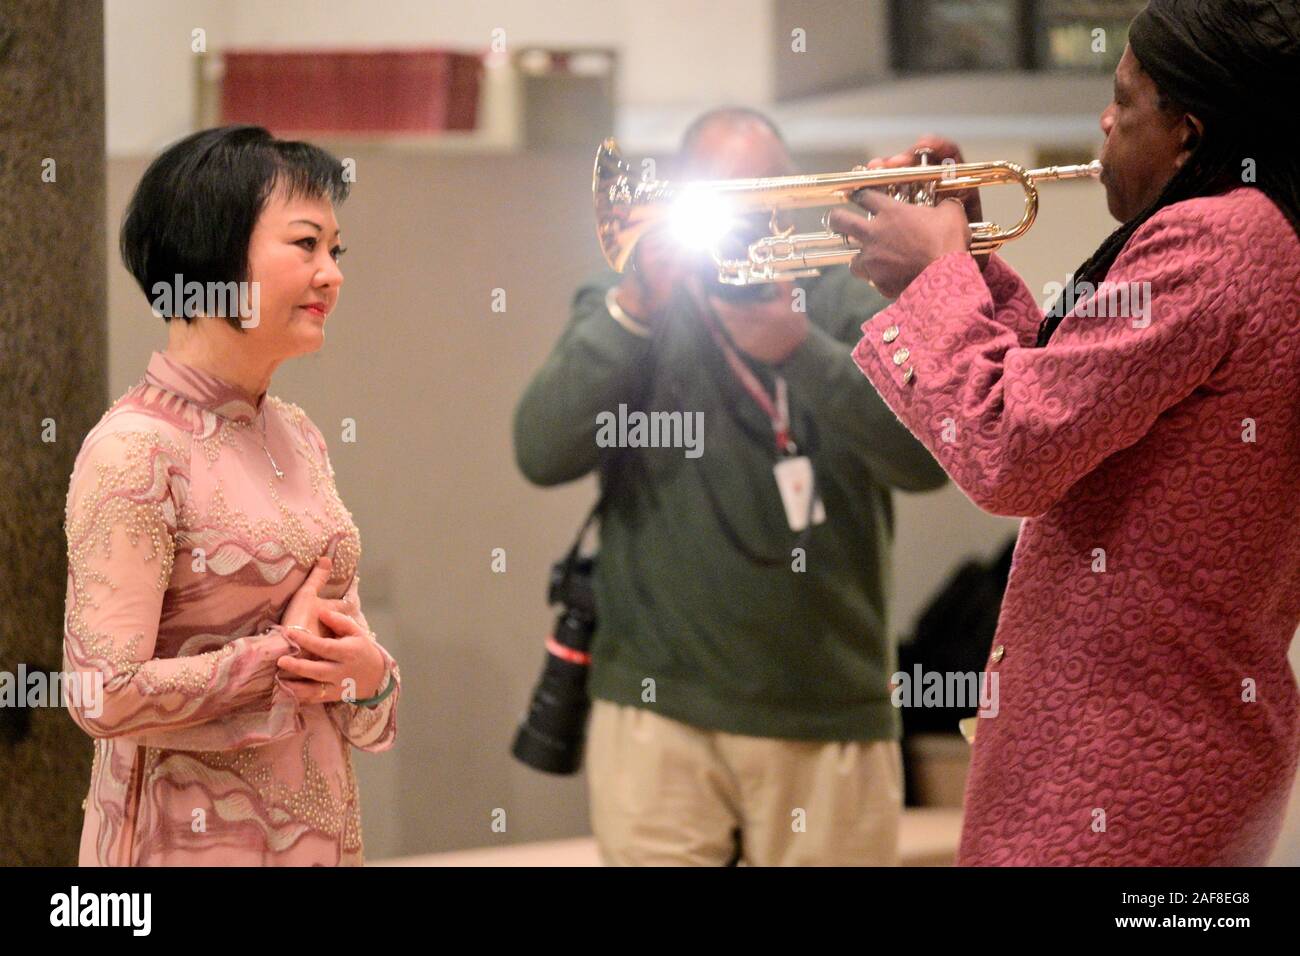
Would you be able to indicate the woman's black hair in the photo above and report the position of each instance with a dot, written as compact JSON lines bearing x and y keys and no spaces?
{"x":1214,"y":165}
{"x":194,"y":209}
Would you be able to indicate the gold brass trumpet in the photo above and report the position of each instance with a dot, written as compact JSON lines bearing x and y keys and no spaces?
{"x":626,"y":209}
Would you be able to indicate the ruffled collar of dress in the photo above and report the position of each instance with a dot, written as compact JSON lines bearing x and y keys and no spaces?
{"x":203,"y":389}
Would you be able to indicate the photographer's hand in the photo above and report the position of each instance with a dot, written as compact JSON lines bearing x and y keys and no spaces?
{"x":656,"y":270}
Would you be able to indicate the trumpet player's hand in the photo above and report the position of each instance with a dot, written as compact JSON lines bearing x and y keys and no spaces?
{"x":768,"y":331}
{"x":899,"y":240}
{"x":657,"y":268}
{"x":941,"y":150}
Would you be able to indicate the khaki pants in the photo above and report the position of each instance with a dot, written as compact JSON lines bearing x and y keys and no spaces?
{"x":666,"y":793}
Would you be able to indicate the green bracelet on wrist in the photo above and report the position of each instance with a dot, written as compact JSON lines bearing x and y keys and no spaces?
{"x":372,"y":701}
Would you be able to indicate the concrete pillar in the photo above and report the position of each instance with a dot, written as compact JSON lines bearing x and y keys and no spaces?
{"x":53,"y":386}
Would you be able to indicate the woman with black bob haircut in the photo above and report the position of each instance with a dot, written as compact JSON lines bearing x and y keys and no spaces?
{"x":213,"y":613}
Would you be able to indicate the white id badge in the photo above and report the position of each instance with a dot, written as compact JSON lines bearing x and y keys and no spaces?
{"x":794,"y":479}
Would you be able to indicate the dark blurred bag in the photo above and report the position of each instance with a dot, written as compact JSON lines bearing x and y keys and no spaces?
{"x":954,"y":633}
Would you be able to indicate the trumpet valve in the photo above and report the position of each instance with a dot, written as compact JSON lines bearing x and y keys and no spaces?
{"x":774,"y":226}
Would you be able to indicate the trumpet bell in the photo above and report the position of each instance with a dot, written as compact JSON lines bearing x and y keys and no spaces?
{"x":624,"y":208}
{"x":608,"y":185}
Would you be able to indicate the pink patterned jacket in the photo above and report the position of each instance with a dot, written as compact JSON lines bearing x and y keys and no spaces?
{"x":1147,"y":713}
{"x":183,"y":550}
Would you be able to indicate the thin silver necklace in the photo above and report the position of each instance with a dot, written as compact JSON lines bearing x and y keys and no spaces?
{"x":278,"y":473}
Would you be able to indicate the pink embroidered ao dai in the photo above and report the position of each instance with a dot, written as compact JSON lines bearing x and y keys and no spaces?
{"x":184,"y":550}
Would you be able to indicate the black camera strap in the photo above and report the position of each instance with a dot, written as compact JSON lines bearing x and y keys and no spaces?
{"x":572,"y":557}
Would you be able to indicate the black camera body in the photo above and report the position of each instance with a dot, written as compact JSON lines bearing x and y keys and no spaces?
{"x":554,"y":729}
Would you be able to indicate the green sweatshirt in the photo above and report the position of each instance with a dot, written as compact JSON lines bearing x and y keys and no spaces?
{"x":688,"y":625}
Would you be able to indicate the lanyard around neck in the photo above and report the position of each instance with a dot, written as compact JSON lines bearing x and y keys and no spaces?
{"x":776,"y":407}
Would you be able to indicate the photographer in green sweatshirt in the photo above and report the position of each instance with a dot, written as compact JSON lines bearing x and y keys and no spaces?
{"x":741,"y":660}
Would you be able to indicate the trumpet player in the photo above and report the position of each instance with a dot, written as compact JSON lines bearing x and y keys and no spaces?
{"x":741,"y":656}
{"x":1148,"y":715}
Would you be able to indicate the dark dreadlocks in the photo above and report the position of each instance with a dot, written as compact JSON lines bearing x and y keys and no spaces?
{"x":1220,"y":60}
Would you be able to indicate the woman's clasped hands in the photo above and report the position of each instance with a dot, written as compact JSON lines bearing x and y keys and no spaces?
{"x":340,"y":660}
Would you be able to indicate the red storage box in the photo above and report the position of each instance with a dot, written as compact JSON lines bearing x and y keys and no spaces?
{"x":409,"y":91}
